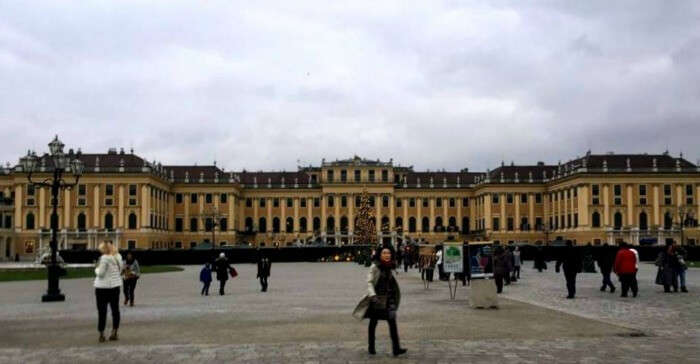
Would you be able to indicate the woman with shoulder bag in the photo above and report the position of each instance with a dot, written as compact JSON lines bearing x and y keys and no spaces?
{"x":132,"y":271}
{"x":107,"y":284}
{"x":382,"y":299}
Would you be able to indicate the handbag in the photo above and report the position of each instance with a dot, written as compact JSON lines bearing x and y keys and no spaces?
{"x":659,"y":277}
{"x":233,"y":272}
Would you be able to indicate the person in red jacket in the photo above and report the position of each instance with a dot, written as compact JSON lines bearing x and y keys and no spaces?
{"x":626,"y":269}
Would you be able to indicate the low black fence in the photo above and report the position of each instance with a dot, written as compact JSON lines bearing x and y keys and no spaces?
{"x":314,"y":254}
{"x":236,"y":255}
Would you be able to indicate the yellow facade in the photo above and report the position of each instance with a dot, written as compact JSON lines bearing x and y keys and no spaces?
{"x":594,"y":199}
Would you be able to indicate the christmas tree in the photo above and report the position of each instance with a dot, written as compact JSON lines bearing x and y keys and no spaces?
{"x":365,"y":232}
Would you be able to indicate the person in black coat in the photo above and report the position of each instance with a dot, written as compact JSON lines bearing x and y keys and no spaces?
{"x":540,"y":263}
{"x":222,"y":268}
{"x":606,"y":259}
{"x":264,"y":266}
{"x":572,"y":263}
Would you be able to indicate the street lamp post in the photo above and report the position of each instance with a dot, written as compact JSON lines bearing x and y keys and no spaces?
{"x":214,"y":215}
{"x":61,"y":163}
{"x":684,"y":213}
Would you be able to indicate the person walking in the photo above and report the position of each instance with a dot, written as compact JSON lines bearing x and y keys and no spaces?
{"x":205,"y":278}
{"x":107,"y":286}
{"x":682,"y":267}
{"x":264,"y":266}
{"x":382,"y":300}
{"x":501,"y":264}
{"x":132,"y":272}
{"x":441,"y":273}
{"x":606,"y":260}
{"x":508,"y":255}
{"x":572,"y":264}
{"x":540,"y":262}
{"x":668,"y":267}
{"x":516,"y":264}
{"x":626,"y":269}
{"x":222,"y":268}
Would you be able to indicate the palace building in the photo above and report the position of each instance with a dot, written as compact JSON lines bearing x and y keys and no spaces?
{"x":594,"y":199}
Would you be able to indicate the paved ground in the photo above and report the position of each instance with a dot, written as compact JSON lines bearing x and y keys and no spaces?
{"x":306,"y":318}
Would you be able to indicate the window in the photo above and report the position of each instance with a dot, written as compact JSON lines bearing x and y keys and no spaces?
{"x":262,"y":225}
{"x":668,"y":221}
{"x":385,"y":201}
{"x":510,"y":223}
{"x":539,"y":225}
{"x":412,"y":202}
{"x":289,"y":202}
{"x":289,"y":225}
{"x":261,"y":202}
{"x":343,"y":201}
{"x":399,"y":202}
{"x":668,"y":200}
{"x":109,"y":190}
{"x":178,"y":224}
{"x":509,"y":198}
{"x":330,"y":201}
{"x":425,"y":202}
{"x":357,"y":175}
{"x":618,"y":221}
{"x":385,"y":175}
{"x":275,"y":202}
{"x":178,"y":198}
{"x":208,"y":224}
{"x":371,"y":175}
{"x":82,"y":190}
{"x":575,"y":191}
{"x":452,"y":202}
{"x":109,"y":221}
{"x":617,"y":190}
{"x":193,"y":244}
{"x":412,"y":224}
{"x":465,"y":201}
{"x":576,"y":220}
{"x":275,"y":225}
{"x":313,"y":179}
{"x":132,"y":190}
{"x":688,"y":194}
{"x":496,"y":224}
{"x":82,"y":222}
{"x":568,"y":194}
{"x":538,"y":198}
{"x":132,"y":221}
{"x":302,"y":202}
{"x":643,"y":224}
{"x":343,"y":175}
{"x":248,"y":202}
{"x":223,"y":198}
{"x":330,"y":175}
{"x":317,"y":202}
{"x":465,"y":225}
{"x":30,"y":221}
{"x":131,"y":244}
{"x":524,"y":225}
{"x":425,"y":225}
{"x":568,"y":221}
{"x":316,"y":224}
{"x":193,"y":224}
{"x":642,"y":194}
{"x":438,"y":202}
{"x":371,"y":201}
{"x":302,"y":225}
{"x":193,"y":198}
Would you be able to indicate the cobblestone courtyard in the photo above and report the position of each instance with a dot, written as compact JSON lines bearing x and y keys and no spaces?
{"x":305,"y":317}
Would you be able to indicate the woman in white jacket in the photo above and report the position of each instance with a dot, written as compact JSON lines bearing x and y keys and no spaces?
{"x":107,"y":286}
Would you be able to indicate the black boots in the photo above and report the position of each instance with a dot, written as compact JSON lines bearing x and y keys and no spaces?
{"x":114,"y":336}
{"x":399,"y":351}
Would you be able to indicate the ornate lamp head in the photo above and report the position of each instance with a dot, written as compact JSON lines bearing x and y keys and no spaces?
{"x":56,"y":146}
{"x":78,"y":167}
{"x":29,"y":161}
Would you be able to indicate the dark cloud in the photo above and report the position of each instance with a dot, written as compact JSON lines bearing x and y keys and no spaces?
{"x":437,"y":85}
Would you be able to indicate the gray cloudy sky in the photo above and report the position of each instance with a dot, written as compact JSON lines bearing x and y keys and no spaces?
{"x":258,"y":85}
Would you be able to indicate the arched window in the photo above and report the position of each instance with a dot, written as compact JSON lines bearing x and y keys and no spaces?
{"x":399,"y":223}
{"x":248,"y":224}
{"x":668,"y":221}
{"x":595,"y":219}
{"x":132,"y":221}
{"x":262,"y":225}
{"x":330,"y":224}
{"x":289,"y":225}
{"x":643,"y":224}
{"x":109,"y":221}
{"x":452,"y":221}
{"x":30,"y":221}
{"x":344,"y":224}
{"x":412,"y":224}
{"x":438,"y":224}
{"x":317,"y":224}
{"x":385,"y":223}
{"x":302,"y":225}
{"x":275,"y":225}
{"x":465,"y":225}
{"x":618,"y":221}
{"x":425,"y":226}
{"x":82,"y":222}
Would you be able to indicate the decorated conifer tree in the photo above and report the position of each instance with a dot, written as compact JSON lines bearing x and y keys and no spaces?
{"x":365,"y":232}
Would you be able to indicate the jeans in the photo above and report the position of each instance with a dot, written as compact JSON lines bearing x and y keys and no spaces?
{"x":263,"y":283}
{"x":516,"y":273}
{"x":628,"y":281}
{"x":393,"y":332}
{"x":107,"y":296}
{"x":607,"y":282}
{"x":129,"y":287}
{"x":570,"y":283}
{"x":681,"y":276}
{"x":205,"y":288}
